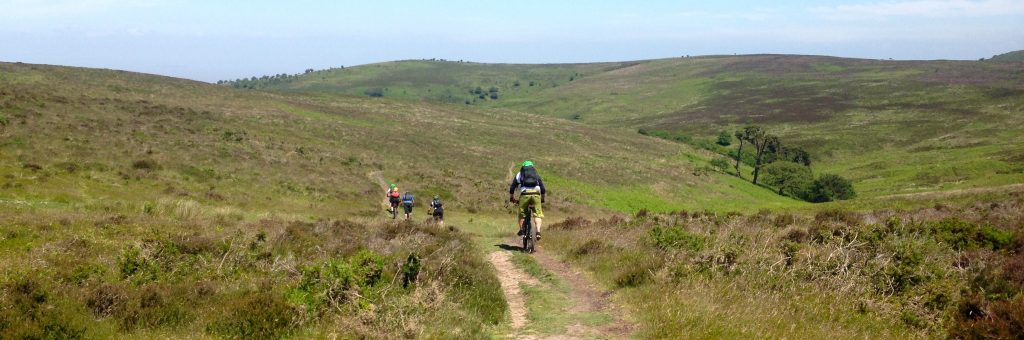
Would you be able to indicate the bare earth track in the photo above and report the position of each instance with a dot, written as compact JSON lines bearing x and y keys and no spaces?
{"x":584,"y":296}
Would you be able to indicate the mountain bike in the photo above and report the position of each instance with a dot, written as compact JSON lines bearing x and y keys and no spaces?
{"x":529,"y":232}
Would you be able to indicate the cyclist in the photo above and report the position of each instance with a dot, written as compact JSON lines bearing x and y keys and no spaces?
{"x":407,"y":201}
{"x":437,"y":211}
{"x":531,"y":193}
{"x":394,"y":196}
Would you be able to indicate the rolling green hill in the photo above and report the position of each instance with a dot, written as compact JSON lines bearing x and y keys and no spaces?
{"x":122,"y":138}
{"x":892,"y":126}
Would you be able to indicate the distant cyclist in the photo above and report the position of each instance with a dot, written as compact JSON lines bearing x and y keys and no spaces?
{"x":407,"y":201}
{"x":531,"y":193}
{"x":394,"y":196}
{"x":437,"y":210}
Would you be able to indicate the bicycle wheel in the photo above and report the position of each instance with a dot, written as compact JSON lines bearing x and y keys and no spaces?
{"x":526,"y":238}
{"x":530,"y":233}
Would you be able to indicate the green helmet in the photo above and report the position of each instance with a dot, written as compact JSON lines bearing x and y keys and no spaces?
{"x":527,"y":163}
{"x":437,"y":197}
{"x":393,"y":186}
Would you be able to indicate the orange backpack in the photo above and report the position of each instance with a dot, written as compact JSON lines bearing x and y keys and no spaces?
{"x":394,"y":193}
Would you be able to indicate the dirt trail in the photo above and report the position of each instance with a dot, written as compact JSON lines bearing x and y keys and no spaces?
{"x":510,"y":277}
{"x":378,"y":176}
{"x":586,"y":299}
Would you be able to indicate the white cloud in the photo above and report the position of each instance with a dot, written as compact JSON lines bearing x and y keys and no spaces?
{"x":922,"y":8}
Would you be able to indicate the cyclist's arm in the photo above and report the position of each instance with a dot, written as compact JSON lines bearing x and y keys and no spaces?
{"x":543,"y":191}
{"x":515,"y":183}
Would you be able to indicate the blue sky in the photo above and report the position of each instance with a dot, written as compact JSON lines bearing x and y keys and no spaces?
{"x":212,"y":40}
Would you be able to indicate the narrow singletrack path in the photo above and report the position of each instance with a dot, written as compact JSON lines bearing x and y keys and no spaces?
{"x":511,"y":277}
{"x":562,"y":304}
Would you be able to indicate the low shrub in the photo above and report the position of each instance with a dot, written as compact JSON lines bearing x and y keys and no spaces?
{"x":635,"y":269}
{"x":589,"y":248}
{"x":133,"y":264}
{"x":572,"y":223}
{"x":255,"y":315}
{"x":963,"y":235}
{"x":668,"y":238}
{"x":145,"y":165}
{"x":337,"y":282}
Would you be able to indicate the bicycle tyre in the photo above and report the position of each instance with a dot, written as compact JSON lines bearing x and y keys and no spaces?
{"x":530,"y":233}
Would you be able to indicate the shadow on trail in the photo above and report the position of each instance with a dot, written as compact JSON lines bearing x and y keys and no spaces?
{"x":505,"y":246}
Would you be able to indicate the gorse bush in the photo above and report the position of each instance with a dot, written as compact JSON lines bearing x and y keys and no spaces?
{"x":963,"y":235}
{"x":339,"y":282}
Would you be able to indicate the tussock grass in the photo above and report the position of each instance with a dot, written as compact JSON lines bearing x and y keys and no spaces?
{"x":177,"y":270}
{"x":885,"y":273}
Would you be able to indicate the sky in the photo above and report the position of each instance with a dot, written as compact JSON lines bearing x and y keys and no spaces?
{"x":220,"y":40}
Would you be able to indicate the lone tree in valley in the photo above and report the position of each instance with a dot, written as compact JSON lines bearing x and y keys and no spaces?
{"x":741,"y":135}
{"x":790,"y":178}
{"x":760,"y":139}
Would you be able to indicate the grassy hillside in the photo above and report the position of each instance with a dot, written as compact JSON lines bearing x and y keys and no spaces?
{"x":78,"y":137}
{"x":892,"y":126}
{"x":432,"y":80}
{"x":145,"y":206}
{"x":1009,"y":56}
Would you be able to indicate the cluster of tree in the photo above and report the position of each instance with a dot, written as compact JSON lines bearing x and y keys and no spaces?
{"x":788,"y":169}
{"x":479,"y":92}
{"x":268,"y":80}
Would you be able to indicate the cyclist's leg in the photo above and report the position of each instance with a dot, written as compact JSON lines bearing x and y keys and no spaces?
{"x":523,"y":205}
{"x":538,"y":211}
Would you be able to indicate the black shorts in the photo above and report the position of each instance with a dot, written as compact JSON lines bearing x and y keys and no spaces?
{"x":393,"y":200}
{"x":438,"y":213}
{"x":408,"y":208}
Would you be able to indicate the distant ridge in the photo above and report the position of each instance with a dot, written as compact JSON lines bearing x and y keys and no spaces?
{"x":1010,"y":56}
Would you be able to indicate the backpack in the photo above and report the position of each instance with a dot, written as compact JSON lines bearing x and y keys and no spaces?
{"x":407,"y":198}
{"x":528,"y":177}
{"x":394,"y":193}
{"x":436,"y":204}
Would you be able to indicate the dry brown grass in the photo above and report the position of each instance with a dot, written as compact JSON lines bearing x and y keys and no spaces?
{"x":838,"y":273}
